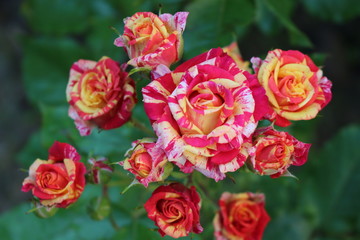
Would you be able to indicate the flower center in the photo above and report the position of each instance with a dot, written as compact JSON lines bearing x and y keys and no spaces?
{"x":142,"y":164}
{"x":92,"y":92}
{"x":205,"y":107}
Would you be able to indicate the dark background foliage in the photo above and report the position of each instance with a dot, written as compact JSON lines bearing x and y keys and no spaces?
{"x":40,"y":39}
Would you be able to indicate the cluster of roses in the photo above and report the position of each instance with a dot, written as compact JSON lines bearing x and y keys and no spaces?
{"x":205,"y":115}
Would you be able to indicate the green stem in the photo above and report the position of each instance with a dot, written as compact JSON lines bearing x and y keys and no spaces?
{"x":105,"y":194}
{"x":204,"y":193}
{"x":142,"y":127}
{"x":113,"y":222}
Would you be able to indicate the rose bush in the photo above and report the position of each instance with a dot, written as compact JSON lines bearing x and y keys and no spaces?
{"x":100,"y":94}
{"x":147,"y":162}
{"x":273,"y":152}
{"x":58,"y":181}
{"x":294,"y":85}
{"x":202,"y":113}
{"x":151,"y":40}
{"x":241,"y":217}
{"x":175,"y":210}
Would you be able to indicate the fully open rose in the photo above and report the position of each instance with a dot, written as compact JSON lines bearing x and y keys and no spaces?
{"x":175,"y":210}
{"x":241,"y":216}
{"x":202,"y":113}
{"x":151,"y":40}
{"x":58,"y":181}
{"x":100,"y":94}
{"x":147,"y":162}
{"x":273,"y":152}
{"x":294,"y":85}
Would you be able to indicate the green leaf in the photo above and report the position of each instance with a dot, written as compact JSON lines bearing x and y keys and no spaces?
{"x":335,"y":172}
{"x":288,"y":226}
{"x":282,"y":9}
{"x":139,"y":69}
{"x":46,"y":67}
{"x":212,"y":23}
{"x":266,"y":20}
{"x":57,"y":125}
{"x":57,"y":17}
{"x":33,"y":149}
{"x":71,"y":223}
{"x":338,"y":11}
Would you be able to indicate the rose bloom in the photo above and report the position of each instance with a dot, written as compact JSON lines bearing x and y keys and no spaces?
{"x":150,"y":40}
{"x":294,"y":85}
{"x":175,"y":210}
{"x":100,"y":94}
{"x":273,"y":152}
{"x":233,"y":51}
{"x":58,"y":181}
{"x":241,"y":217}
{"x":203,"y":113}
{"x":147,"y":162}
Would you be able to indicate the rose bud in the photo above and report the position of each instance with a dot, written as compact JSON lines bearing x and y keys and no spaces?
{"x":175,"y":210}
{"x":294,"y":85}
{"x":58,"y":181}
{"x":241,"y":216}
{"x":147,"y":162}
{"x":100,"y":94}
{"x":202,"y":113}
{"x":150,"y":40}
{"x":233,"y":51}
{"x":100,"y":171}
{"x":273,"y":152}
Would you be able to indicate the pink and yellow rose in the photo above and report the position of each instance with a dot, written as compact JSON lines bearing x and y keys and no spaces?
{"x":273,"y":152}
{"x":202,"y":113}
{"x":100,"y":94}
{"x":58,"y":181}
{"x":294,"y":85}
{"x":175,"y":210}
{"x":151,"y":40}
{"x":241,"y":216}
{"x":147,"y":162}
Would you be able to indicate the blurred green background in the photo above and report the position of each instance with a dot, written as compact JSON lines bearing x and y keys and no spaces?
{"x":39,"y":41}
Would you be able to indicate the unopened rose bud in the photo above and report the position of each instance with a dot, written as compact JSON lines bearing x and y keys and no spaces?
{"x":147,"y":161}
{"x":100,"y":171}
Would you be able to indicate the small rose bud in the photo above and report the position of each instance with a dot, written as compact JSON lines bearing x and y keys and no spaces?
{"x":147,"y":161}
{"x":100,"y":171}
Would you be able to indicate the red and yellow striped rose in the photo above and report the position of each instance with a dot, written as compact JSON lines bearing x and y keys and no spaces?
{"x":241,"y":216}
{"x":202,"y":113}
{"x":294,"y":85}
{"x":273,"y":152}
{"x":175,"y":210}
{"x":151,"y":40}
{"x":58,"y":181}
{"x":100,"y":94}
{"x":147,"y":162}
